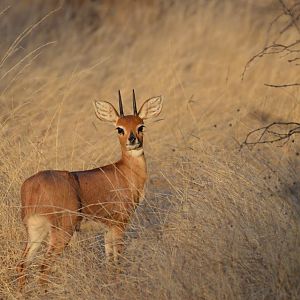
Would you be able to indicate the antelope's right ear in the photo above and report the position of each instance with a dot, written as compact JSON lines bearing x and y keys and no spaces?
{"x":151,"y":108}
{"x":105,"y":111}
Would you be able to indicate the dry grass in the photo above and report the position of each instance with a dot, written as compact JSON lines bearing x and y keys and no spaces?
{"x":217,"y":223}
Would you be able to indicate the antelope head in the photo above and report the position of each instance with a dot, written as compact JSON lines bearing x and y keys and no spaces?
{"x":130,"y":128}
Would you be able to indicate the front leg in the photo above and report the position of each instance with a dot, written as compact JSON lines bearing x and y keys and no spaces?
{"x":108,"y":244}
{"x":114,"y":243}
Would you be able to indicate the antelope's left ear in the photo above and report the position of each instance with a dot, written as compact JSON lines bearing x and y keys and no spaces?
{"x":151,"y":108}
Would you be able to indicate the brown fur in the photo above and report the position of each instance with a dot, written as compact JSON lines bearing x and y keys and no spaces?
{"x":108,"y":194}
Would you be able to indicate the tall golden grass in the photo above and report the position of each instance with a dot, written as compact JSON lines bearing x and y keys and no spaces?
{"x":217,"y":222}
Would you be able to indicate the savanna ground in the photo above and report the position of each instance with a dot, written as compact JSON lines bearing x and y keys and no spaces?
{"x":217,"y":222}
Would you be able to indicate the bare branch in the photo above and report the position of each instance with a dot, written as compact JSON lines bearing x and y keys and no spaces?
{"x":293,"y":59}
{"x":282,"y":85}
{"x":271,"y":50}
{"x":278,"y":132}
{"x":272,"y":133}
{"x":290,"y":12}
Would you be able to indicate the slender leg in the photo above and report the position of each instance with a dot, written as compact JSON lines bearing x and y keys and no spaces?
{"x":37,"y":229}
{"x":59,"y":238}
{"x":109,"y":251}
{"x":117,"y":236}
{"x":21,"y":268}
{"x":114,"y":243}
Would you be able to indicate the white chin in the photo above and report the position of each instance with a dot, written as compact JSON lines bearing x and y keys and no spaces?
{"x":136,"y":152}
{"x":133,"y":147}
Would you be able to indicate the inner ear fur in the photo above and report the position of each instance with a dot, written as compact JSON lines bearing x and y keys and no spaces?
{"x":151,"y":108}
{"x":105,"y":111}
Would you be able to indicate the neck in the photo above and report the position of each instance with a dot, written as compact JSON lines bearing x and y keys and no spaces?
{"x":135,"y":160}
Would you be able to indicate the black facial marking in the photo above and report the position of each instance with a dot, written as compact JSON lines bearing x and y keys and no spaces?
{"x":131,"y":138}
{"x":141,"y":128}
{"x":120,"y":130}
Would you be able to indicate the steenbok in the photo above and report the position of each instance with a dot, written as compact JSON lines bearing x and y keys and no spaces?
{"x":53,"y":202}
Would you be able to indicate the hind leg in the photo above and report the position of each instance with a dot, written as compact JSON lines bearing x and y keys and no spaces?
{"x":37,"y":230}
{"x":59,"y":239}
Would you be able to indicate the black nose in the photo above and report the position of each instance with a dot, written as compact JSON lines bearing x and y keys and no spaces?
{"x":131,"y":138}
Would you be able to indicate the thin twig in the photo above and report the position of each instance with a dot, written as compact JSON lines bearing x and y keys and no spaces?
{"x":282,"y":85}
{"x":272,"y":133}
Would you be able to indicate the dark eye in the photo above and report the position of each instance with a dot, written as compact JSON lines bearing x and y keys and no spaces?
{"x":141,"y":128}
{"x":120,"y":130}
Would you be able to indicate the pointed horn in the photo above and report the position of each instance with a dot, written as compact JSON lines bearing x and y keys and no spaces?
{"x":121,"y":105}
{"x":134,"y":103}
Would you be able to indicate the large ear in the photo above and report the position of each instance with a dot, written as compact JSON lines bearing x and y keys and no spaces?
{"x":105,"y":111}
{"x":151,"y":108}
